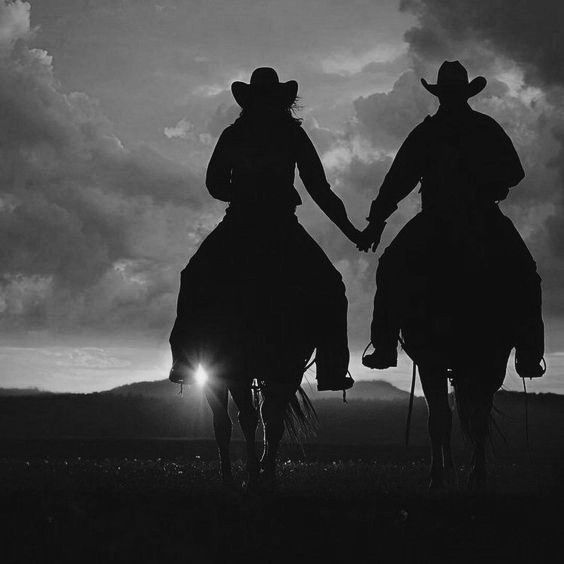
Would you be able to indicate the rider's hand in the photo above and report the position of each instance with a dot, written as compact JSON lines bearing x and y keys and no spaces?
{"x":355,"y":236}
{"x":370,"y":237}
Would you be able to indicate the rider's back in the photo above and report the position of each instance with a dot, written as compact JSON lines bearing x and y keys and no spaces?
{"x":261,"y":158}
{"x":468,"y":160}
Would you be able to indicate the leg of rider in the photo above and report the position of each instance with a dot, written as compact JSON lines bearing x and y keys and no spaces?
{"x":518,"y":265}
{"x":217,"y":396}
{"x":248,"y":419}
{"x":529,"y":346}
{"x":326,"y":291}
{"x":434,"y":382}
{"x":384,"y":334}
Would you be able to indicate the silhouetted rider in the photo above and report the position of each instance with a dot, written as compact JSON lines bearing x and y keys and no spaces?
{"x":260,"y":240}
{"x":466,"y":164}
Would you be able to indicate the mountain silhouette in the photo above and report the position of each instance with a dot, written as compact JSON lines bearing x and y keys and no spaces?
{"x":363,"y":390}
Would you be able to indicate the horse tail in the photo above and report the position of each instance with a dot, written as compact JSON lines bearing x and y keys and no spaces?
{"x":300,"y":418}
{"x":475,"y":413}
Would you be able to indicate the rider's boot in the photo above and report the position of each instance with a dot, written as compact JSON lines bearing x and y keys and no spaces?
{"x":381,"y":358}
{"x":383,"y":331}
{"x":332,"y":369}
{"x":332,"y":351}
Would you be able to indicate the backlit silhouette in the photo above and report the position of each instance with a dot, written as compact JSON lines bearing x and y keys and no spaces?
{"x":260,"y":295}
{"x":458,"y":282}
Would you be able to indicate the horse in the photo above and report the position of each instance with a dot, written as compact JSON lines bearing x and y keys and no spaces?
{"x":284,"y":405}
{"x":453,"y":300}
{"x":251,"y":319}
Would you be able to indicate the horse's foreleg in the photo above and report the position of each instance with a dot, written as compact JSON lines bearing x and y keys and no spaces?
{"x":434,"y":384}
{"x":248,"y":419}
{"x":217,"y":396}
{"x":474,"y":408}
{"x":448,"y":460}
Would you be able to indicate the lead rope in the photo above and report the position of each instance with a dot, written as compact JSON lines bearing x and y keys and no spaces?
{"x":526,"y":417}
{"x":527,"y":443}
{"x":410,"y":410}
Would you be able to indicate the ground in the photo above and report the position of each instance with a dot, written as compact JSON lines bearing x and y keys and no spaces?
{"x":161,"y":501}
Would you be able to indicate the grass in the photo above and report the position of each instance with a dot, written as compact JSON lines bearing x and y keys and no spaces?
{"x":161,"y":501}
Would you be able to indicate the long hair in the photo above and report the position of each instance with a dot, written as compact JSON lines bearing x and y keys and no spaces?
{"x":283,"y":113}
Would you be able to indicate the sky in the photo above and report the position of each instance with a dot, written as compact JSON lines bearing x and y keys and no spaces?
{"x":109,"y":111}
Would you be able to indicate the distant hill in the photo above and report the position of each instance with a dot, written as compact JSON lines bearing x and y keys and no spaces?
{"x":375,"y":414}
{"x":362,"y":390}
{"x":13,"y":392}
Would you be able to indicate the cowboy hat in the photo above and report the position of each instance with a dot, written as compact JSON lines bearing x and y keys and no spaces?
{"x":265,"y":83}
{"x":452,"y":78}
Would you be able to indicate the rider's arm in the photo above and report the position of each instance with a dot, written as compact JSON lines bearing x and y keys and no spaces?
{"x":500,"y":169}
{"x":403,"y":176}
{"x":218,"y":175}
{"x":312,"y":174}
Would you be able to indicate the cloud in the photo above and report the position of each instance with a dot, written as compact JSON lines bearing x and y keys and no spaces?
{"x":388,"y":117}
{"x":529,"y":34}
{"x":14,"y":22}
{"x":182,"y":130}
{"x":519,"y":49}
{"x":93,"y":232}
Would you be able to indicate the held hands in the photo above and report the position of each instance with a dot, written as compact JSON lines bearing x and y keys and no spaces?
{"x":370,"y":237}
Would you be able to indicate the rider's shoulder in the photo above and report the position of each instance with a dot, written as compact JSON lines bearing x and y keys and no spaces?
{"x":423,"y":128}
{"x":485,"y":121}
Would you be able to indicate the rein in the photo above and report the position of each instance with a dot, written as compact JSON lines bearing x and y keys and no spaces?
{"x":410,"y":410}
{"x":411,"y":393}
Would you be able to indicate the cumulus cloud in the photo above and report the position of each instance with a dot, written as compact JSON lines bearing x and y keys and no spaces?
{"x":529,"y":34}
{"x":93,"y":233}
{"x":14,"y":22}
{"x":517,"y":48}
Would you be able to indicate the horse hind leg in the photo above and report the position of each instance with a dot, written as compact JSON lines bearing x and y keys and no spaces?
{"x":248,"y":420}
{"x":474,"y":409}
{"x":480,"y":429}
{"x":435,"y":389}
{"x":217,"y":396}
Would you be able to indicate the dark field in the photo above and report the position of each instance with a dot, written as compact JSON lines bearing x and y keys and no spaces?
{"x":160,"y":501}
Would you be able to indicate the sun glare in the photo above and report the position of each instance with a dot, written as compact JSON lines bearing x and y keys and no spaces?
{"x":201,"y":375}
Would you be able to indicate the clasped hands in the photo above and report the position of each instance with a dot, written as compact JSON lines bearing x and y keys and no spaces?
{"x":369,"y":238}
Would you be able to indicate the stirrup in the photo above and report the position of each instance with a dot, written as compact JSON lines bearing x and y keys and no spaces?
{"x":180,"y":373}
{"x":345,"y":384}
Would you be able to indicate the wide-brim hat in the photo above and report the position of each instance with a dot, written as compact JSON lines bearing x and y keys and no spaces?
{"x":452,"y":78}
{"x":265,"y":84}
